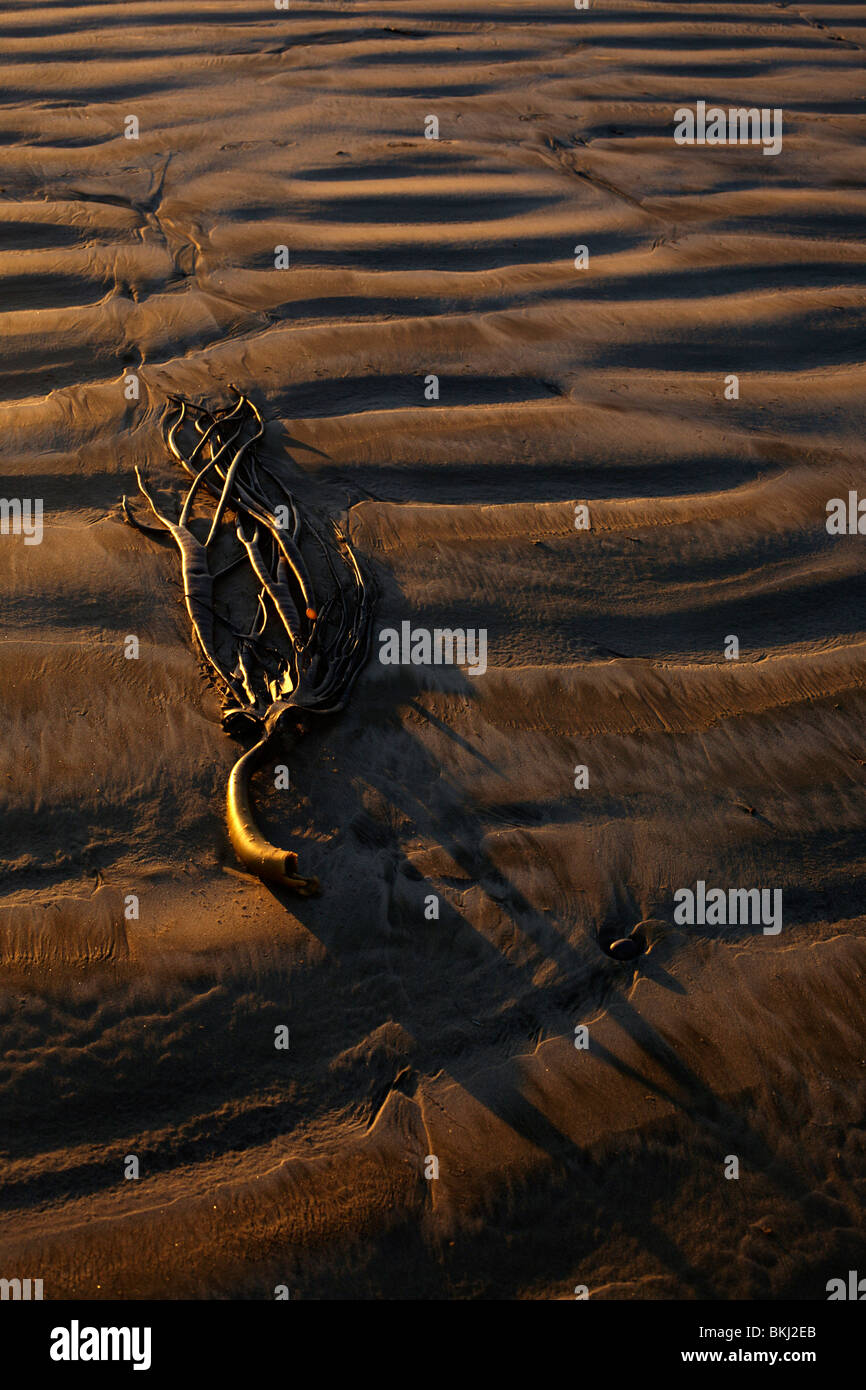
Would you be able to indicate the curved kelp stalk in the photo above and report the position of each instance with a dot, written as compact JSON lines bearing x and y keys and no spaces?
{"x":287,"y":655}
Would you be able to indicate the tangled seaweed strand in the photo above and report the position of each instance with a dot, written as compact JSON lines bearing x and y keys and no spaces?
{"x":297,"y":656}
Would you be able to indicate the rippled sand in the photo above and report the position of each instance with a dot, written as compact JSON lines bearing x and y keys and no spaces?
{"x":453,"y":1038}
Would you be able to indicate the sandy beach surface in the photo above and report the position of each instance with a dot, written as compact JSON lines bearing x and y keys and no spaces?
{"x":423,"y":1045}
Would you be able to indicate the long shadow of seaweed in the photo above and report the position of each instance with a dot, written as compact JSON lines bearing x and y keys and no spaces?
{"x":480,"y":976}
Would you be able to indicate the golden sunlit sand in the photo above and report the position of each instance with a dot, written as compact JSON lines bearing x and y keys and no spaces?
{"x":144,"y":975}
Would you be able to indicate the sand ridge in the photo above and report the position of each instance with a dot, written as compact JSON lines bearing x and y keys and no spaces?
{"x":558,"y":387}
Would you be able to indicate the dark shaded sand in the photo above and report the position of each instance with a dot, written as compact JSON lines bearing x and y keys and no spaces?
{"x":455,"y":1038}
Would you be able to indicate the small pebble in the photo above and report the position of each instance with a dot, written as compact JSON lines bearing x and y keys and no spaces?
{"x":625,"y":949}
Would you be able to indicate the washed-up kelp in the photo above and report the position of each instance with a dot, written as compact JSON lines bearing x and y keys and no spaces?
{"x":275,"y":652}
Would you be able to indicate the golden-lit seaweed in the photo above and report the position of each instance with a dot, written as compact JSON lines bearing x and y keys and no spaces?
{"x":298,"y":656}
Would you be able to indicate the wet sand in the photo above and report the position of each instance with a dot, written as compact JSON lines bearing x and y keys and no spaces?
{"x":455,"y":1038}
